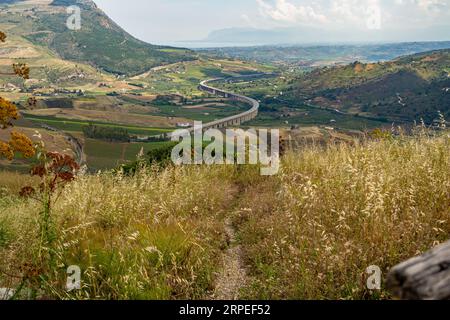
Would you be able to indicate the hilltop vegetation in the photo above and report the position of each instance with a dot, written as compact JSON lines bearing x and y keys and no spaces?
{"x":309,"y":232}
{"x":100,"y":42}
{"x":428,"y":66}
{"x":409,"y":88}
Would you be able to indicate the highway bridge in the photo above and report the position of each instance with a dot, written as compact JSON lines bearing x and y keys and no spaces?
{"x":235,"y":120}
{"x":232,"y":120}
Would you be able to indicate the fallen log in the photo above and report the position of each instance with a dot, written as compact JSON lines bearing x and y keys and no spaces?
{"x":426,"y":277}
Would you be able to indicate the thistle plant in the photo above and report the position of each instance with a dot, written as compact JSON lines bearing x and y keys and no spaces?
{"x":55,"y":170}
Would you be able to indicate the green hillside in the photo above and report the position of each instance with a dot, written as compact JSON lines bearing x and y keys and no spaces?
{"x":100,"y":42}
{"x":408,"y":88}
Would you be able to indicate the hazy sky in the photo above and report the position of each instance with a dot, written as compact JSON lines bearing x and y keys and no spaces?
{"x":168,"y":21}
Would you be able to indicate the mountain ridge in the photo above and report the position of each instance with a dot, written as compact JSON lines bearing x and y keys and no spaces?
{"x":409,"y":88}
{"x":312,"y":35}
{"x":100,"y":42}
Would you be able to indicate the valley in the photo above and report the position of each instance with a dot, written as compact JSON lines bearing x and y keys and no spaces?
{"x":358,"y":134}
{"x":77,"y":88}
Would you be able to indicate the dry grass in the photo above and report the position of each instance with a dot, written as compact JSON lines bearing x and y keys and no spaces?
{"x":154,"y":236}
{"x":12,"y":182}
{"x":311,"y":233}
{"x":308,"y":233}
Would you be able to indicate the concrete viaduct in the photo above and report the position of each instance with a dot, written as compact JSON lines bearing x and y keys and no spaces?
{"x":235,"y":120}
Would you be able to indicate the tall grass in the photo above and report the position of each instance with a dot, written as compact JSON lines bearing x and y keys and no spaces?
{"x":308,"y":233}
{"x":13,"y":182}
{"x":339,"y":210}
{"x":156,"y":235}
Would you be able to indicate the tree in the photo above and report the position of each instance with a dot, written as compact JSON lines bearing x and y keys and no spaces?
{"x":22,"y":70}
{"x":18,"y":142}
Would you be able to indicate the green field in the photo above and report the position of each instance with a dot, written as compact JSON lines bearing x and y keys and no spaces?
{"x":316,"y":117}
{"x":206,"y":115}
{"x":184,"y":77}
{"x":102,"y":155}
{"x":74,"y":125}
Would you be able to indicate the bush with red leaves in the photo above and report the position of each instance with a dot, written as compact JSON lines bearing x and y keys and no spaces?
{"x":55,"y":170}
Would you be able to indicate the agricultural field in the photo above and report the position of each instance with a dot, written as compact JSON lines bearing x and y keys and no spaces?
{"x":205,"y":112}
{"x":309,"y":116}
{"x":183,"y":78}
{"x":102,"y":155}
{"x":120,"y":118}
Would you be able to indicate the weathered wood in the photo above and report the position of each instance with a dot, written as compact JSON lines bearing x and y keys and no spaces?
{"x":426,"y":277}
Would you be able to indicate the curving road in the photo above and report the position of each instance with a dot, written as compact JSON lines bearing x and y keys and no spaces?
{"x":232,"y":120}
{"x":77,"y":146}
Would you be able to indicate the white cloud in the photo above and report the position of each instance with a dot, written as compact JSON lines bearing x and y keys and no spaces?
{"x":355,"y":14}
{"x":436,"y":6}
{"x":168,"y":21}
{"x":286,"y":12}
{"x":321,"y":13}
{"x":432,"y":5}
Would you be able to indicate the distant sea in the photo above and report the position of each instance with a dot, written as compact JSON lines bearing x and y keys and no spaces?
{"x":206,"y":44}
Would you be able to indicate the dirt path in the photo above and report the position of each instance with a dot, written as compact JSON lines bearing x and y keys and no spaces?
{"x":233,"y":275}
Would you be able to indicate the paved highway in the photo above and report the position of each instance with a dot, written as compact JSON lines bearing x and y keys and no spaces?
{"x":235,"y":120}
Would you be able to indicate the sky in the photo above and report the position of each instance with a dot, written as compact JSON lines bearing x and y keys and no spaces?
{"x":172,"y":21}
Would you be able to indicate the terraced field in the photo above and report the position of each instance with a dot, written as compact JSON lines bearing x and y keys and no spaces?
{"x":77,"y":126}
